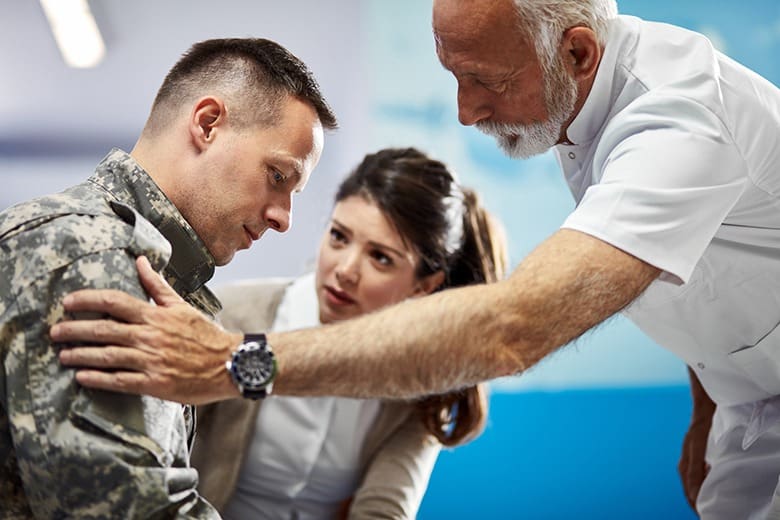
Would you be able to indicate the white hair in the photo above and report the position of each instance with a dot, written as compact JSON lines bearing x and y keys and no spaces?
{"x":544,"y":21}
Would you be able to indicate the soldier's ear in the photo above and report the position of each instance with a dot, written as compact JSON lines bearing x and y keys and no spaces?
{"x":208,"y":114}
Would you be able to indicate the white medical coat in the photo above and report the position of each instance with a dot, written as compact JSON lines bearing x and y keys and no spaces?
{"x":676,"y":160}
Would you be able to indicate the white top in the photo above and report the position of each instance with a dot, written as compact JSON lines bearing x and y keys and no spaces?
{"x":677,"y":161}
{"x":304,"y":459}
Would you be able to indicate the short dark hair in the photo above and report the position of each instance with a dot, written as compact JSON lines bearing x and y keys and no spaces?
{"x":256,"y":74}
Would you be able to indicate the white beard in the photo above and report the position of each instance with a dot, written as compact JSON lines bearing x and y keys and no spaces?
{"x":522,"y":141}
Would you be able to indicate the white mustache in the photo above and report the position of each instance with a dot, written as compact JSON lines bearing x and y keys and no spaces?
{"x":494,"y":129}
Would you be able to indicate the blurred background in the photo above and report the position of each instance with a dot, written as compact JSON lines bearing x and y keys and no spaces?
{"x":595,"y":430}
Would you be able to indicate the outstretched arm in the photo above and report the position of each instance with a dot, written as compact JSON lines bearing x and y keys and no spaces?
{"x":448,"y":340}
{"x":463,"y":336}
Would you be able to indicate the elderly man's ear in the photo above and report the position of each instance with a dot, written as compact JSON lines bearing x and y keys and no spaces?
{"x":581,"y":51}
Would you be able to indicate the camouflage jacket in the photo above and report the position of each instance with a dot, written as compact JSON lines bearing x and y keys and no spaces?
{"x":67,"y":451}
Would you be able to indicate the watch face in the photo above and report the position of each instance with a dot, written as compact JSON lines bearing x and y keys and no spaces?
{"x":254,"y":365}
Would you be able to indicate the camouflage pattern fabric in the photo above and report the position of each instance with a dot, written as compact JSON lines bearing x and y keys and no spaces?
{"x":67,"y":451}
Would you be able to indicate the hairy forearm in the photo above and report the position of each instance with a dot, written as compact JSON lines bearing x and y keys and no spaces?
{"x":463,"y":336}
{"x":415,"y":348}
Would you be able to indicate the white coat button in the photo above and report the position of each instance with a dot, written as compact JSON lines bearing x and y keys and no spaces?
{"x":700,"y":365}
{"x":571,"y":155}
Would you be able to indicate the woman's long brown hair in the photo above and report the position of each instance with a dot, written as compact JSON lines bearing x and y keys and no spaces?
{"x":450,"y":230}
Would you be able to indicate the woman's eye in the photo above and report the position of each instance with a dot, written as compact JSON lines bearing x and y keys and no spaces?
{"x":337,"y":236}
{"x":382,"y":258}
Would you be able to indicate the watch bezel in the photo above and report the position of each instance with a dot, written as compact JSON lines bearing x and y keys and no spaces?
{"x":241,"y":363}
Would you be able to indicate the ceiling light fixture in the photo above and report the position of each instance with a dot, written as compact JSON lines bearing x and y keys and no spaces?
{"x":75,"y":31}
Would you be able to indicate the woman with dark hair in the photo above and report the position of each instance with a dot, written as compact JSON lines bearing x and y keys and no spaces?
{"x":401,"y":227}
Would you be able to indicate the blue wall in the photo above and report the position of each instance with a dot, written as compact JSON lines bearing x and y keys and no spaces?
{"x":573,"y":454}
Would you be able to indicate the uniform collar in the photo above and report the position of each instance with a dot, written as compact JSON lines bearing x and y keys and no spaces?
{"x":191,"y":264}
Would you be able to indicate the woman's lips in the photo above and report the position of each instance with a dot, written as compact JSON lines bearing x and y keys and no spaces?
{"x":337,"y":297}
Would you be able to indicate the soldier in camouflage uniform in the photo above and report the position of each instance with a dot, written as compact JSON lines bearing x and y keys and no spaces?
{"x":67,"y":451}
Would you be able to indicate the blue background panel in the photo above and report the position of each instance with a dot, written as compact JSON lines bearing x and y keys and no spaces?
{"x":600,"y":454}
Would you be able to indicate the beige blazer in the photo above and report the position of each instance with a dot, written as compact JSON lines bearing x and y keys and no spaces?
{"x":397,"y":456}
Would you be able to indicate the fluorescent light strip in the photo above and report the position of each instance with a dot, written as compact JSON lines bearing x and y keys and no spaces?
{"x":75,"y":31}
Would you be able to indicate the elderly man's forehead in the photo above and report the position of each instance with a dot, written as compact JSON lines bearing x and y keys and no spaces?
{"x":470,"y":20}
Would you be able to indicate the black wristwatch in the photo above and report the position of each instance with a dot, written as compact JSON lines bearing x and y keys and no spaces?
{"x":253,"y":367}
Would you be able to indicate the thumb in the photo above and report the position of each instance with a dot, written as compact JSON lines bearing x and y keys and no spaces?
{"x":162,"y":293}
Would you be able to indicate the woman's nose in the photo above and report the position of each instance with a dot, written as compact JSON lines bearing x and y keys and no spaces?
{"x":348,"y":270}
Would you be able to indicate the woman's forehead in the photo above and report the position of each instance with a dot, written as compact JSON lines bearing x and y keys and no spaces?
{"x":365,"y":219}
